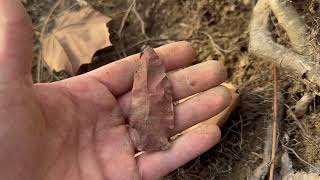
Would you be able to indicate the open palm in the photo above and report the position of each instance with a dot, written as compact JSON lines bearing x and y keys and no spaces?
{"x":76,"y":128}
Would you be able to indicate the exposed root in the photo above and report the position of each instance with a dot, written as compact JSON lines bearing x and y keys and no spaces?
{"x":262,"y":170}
{"x":296,"y":60}
{"x":301,"y":159}
{"x":311,"y":139}
{"x":289,"y":19}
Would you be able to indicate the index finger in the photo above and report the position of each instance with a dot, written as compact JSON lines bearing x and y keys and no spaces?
{"x":15,"y":42}
{"x":118,"y":76}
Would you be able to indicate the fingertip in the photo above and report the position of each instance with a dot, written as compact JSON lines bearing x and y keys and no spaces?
{"x":200,"y":107}
{"x":223,"y":95}
{"x":219,"y":69}
{"x":216,"y":133}
{"x":13,"y":12}
{"x":176,"y":55}
{"x":212,"y":101}
{"x":15,"y":41}
{"x":208,"y":132}
{"x":187,"y":48}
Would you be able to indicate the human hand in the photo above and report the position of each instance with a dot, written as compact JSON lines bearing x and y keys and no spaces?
{"x":76,"y":128}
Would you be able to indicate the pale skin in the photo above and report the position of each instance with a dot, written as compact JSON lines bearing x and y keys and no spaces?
{"x":75,"y":129}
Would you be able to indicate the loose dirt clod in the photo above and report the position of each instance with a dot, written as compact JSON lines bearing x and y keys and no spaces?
{"x":151,"y":117}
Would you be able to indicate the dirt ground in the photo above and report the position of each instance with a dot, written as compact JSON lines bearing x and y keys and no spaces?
{"x":218,"y":29}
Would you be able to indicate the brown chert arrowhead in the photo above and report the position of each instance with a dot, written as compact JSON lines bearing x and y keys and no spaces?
{"x":151,"y":116}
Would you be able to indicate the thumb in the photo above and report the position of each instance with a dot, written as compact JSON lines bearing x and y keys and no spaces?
{"x":15,"y":42}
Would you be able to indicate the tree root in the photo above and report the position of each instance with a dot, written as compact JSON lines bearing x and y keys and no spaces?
{"x":300,"y":59}
{"x":262,"y":170}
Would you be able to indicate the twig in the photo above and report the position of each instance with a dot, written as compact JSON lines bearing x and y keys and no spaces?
{"x":124,"y":19}
{"x":214,"y":45}
{"x":40,"y":58}
{"x":58,"y":15}
{"x":229,"y":130}
{"x":142,"y":24}
{"x":313,"y":140}
{"x":274,"y":120}
{"x":241,"y":131}
{"x":155,"y":40}
{"x":301,"y":159}
{"x":258,"y":155}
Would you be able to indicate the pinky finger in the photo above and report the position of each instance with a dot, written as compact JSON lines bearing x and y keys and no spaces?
{"x":185,"y":148}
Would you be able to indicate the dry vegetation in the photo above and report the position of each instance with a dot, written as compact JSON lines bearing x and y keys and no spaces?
{"x":219,"y":30}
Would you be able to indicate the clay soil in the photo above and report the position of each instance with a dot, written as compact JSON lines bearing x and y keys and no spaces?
{"x":218,"y":29}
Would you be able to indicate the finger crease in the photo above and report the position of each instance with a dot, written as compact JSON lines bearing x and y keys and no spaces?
{"x":190,"y":84}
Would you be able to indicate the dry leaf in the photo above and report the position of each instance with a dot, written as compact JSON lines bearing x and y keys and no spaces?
{"x":75,"y":39}
{"x":151,"y":117}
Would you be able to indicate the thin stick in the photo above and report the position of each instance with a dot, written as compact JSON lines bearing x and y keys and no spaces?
{"x":58,"y":15}
{"x":314,"y":140}
{"x":124,"y":19}
{"x":214,"y":45}
{"x":241,"y":131}
{"x":142,"y":24}
{"x":40,"y":58}
{"x":156,"y":40}
{"x":274,"y":120}
{"x":300,"y":158}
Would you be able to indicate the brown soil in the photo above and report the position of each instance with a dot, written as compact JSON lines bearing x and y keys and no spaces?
{"x":218,"y":29}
